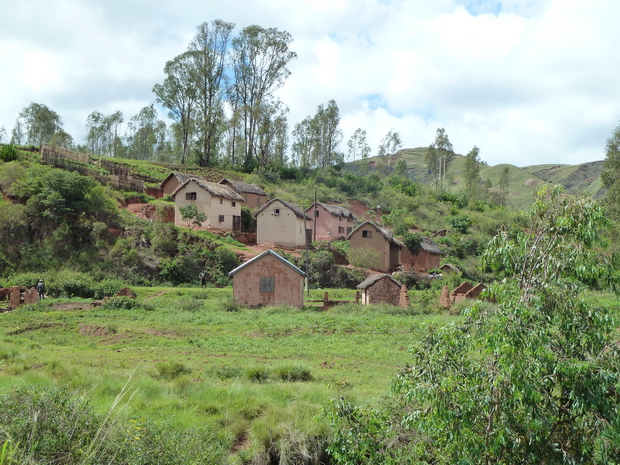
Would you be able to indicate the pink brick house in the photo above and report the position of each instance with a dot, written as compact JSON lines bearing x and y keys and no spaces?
{"x":330,"y":222}
{"x":269,"y":280}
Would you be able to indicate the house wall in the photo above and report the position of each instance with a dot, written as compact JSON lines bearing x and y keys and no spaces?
{"x":284,"y":230}
{"x":288,"y":284}
{"x":377,"y":242}
{"x":383,"y":291}
{"x":327,"y":225}
{"x":253,"y":201}
{"x":208,"y":205}
{"x":424,"y":261}
{"x":171,"y":185}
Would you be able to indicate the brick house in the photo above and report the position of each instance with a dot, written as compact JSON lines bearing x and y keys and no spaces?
{"x":281,"y":224}
{"x":388,"y":247}
{"x":268,"y":279}
{"x":253,"y":196}
{"x":427,"y":259}
{"x":330,"y":222}
{"x":174,"y":180}
{"x":380,"y":288}
{"x":220,"y":203}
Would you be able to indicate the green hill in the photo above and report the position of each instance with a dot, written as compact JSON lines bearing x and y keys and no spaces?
{"x":524,"y":181}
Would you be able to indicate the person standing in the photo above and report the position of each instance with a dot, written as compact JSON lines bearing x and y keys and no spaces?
{"x":41,"y":289}
{"x":203,"y":279}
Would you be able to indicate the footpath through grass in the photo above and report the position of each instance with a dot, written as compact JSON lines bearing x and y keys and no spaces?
{"x":191,"y":357}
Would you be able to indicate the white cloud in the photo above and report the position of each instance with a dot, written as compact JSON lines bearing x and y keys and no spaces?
{"x":527,"y":81}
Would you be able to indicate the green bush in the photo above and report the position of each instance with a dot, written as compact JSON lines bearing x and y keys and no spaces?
{"x":9,"y":153}
{"x":291,"y":373}
{"x":171,"y":370}
{"x":107,"y":288}
{"x":120,"y":303}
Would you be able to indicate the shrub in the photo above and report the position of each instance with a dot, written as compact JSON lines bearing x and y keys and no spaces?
{"x":120,"y":303}
{"x":258,"y":374}
{"x":460,"y":223}
{"x":9,"y":153}
{"x":292,"y":373}
{"x":171,"y":370}
{"x":107,"y":288}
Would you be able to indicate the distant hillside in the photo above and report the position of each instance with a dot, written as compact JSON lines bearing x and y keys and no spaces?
{"x":524,"y":181}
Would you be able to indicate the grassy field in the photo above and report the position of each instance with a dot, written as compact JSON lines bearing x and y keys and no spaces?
{"x":188,"y":356}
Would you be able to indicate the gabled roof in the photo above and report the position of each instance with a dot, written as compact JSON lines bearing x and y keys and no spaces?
{"x":181,"y":178}
{"x":216,"y":190}
{"x":429,"y":246}
{"x":258,"y":257}
{"x":298,"y":211}
{"x":244,"y":187}
{"x":386,"y":233}
{"x":374,"y":278}
{"x":335,"y":210}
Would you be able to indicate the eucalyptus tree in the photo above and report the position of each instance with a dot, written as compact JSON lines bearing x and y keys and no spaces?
{"x":271,"y":135}
{"x":504,"y":182}
{"x":259,"y":59}
{"x":358,"y":145}
{"x":39,"y":123}
{"x":329,"y":134}
{"x":17,"y":134}
{"x":179,"y":92}
{"x":303,"y":143}
{"x":471,"y":176}
{"x":389,"y":145}
{"x":102,"y":136}
{"x":438,"y":157}
{"x":2,"y":134}
{"x":145,"y":134}
{"x":208,"y":51}
{"x":611,"y":174}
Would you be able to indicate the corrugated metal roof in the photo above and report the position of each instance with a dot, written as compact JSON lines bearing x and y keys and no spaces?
{"x":216,"y":190}
{"x":298,"y":211}
{"x":258,"y":257}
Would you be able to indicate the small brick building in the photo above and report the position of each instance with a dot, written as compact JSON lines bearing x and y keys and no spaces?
{"x":269,"y":280}
{"x":427,"y":259}
{"x":380,"y":288}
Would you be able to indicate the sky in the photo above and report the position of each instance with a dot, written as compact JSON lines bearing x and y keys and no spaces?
{"x":526,"y":81}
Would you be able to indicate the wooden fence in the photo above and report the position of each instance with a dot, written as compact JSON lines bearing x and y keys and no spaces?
{"x":119,"y":177}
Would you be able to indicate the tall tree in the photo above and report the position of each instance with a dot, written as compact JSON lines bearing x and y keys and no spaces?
{"x":471,"y":176}
{"x":504,"y":182}
{"x":259,"y":60}
{"x":611,"y":174}
{"x":145,"y":134}
{"x":40,"y":123}
{"x":17,"y":134}
{"x":316,"y":138}
{"x":208,"y":51}
{"x":358,"y":145}
{"x":178,"y":94}
{"x":272,"y":135}
{"x":438,"y":158}
{"x":389,"y":146}
{"x":329,"y":134}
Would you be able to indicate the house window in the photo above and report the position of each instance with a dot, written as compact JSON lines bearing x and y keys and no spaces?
{"x":316,"y":213}
{"x":366,"y":233}
{"x":341,"y":229}
{"x":221,"y":201}
{"x":190,"y":196}
{"x":340,"y":218}
{"x":221,"y":218}
{"x":349,"y":229}
{"x":276,"y":211}
{"x":234,"y":204}
{"x":266,"y":283}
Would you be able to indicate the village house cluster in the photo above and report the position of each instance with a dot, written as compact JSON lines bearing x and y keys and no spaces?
{"x":282,"y":224}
